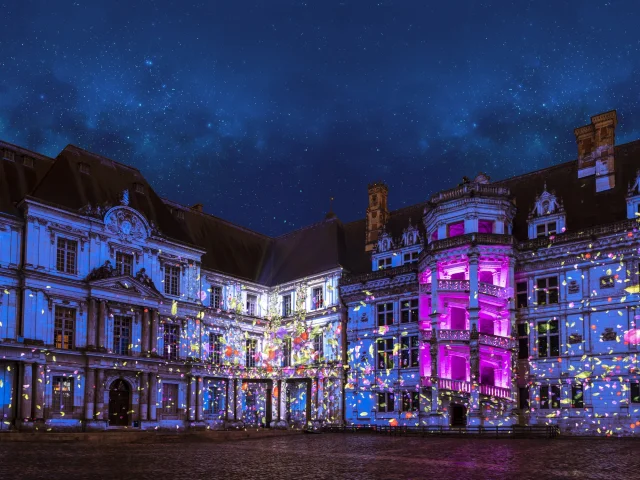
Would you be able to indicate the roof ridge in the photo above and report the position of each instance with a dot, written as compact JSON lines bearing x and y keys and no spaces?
{"x":100,"y":157}
{"x":31,"y":152}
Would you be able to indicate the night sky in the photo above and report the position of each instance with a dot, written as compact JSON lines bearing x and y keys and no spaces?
{"x":262,"y":110}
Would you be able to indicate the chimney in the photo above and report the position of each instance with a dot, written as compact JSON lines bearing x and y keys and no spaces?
{"x":596,"y":143}
{"x":197,"y":207}
{"x":377,"y":213}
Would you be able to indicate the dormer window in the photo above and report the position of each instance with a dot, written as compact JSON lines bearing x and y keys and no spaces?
{"x":27,"y":162}
{"x":180,"y":215}
{"x":138,"y":187}
{"x":546,"y":229}
{"x":8,"y":155}
{"x":84,"y":168}
{"x":411,"y":257}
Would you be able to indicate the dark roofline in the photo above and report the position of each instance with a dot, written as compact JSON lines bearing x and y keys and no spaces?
{"x":95,"y":155}
{"x":23,"y":150}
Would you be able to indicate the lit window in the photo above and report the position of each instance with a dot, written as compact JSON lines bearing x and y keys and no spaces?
{"x":385,"y":402}
{"x":385,"y":353}
{"x":62,"y":394}
{"x":385,"y":314}
{"x":66,"y":255}
{"x":171,"y":280}
{"x":64,"y":328}
{"x":317,"y":299}
{"x":548,"y":339}
{"x":124,"y":264}
{"x":547,"y":290}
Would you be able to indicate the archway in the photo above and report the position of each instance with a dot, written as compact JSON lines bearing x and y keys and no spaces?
{"x":119,"y":401}
{"x":458,"y":415}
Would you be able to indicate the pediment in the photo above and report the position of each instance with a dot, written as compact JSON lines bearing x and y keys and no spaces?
{"x":126,"y":283}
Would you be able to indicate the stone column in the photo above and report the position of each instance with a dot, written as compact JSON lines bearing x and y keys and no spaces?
{"x":102,"y":324}
{"x":146,"y":327}
{"x":143,"y":402}
{"x":199,"y":399}
{"x":38,"y":391}
{"x":153,"y":396}
{"x":279,"y":400}
{"x":92,"y":319}
{"x":191,"y":398}
{"x":89,"y":393}
{"x":235,"y":399}
{"x":434,"y":313}
{"x":473,"y":289}
{"x":153,"y":339}
{"x":100,"y":410}
{"x":26,"y":392}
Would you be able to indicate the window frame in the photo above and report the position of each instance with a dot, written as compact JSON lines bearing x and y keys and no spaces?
{"x":413,"y":257}
{"x":124,"y":262}
{"x":577,"y":401}
{"x":546,"y":230}
{"x":384,"y":263}
{"x":251,"y":349}
{"x":523,"y":338}
{"x":287,"y":305}
{"x":172,"y":332}
{"x":217,"y":392}
{"x":522,"y":294}
{"x":410,"y":351}
{"x":551,"y":338}
{"x":385,"y":356}
{"x":606,"y":282}
{"x":634,"y":392}
{"x":170,"y":398}
{"x":61,"y":395}
{"x":124,"y":324}
{"x":67,"y":257}
{"x":388,"y":400}
{"x":386,"y":313}
{"x":252,"y":311}
{"x":287,"y":350}
{"x":64,"y":327}
{"x":410,"y":307}
{"x":547,"y":290}
{"x":216,"y":297}
{"x":318,"y":346}
{"x":215,"y":342}
{"x":171,"y":280}
{"x":410,"y":399}
{"x":550,"y":400}
{"x":317,"y":298}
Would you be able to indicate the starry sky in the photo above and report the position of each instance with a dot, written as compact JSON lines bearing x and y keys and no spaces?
{"x":264,"y":109}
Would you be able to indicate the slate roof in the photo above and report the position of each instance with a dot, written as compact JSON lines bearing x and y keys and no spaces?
{"x":248,"y":255}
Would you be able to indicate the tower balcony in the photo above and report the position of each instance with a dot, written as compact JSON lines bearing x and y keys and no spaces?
{"x":471,"y":239}
{"x":507,"y":343}
{"x":463,"y":286}
{"x":460,"y":386}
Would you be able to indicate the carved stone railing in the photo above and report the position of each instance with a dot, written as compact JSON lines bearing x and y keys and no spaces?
{"x":471,"y":239}
{"x":469,"y":188}
{"x":586,"y":234}
{"x":494,"y":391}
{"x":425,"y":288}
{"x":425,"y":335}
{"x":453,"y":335}
{"x":493,"y":290}
{"x":453,"y":285}
{"x":455,"y":385}
{"x":494,"y":341}
{"x":348,"y":279}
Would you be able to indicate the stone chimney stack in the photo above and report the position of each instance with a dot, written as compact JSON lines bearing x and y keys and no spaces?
{"x":377,"y":213}
{"x":596,"y":143}
{"x":197,"y":207}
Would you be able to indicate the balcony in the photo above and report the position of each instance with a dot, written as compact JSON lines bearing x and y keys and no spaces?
{"x":493,"y":290}
{"x":425,"y":335}
{"x":468,"y":189}
{"x":454,"y":385}
{"x":453,"y":285}
{"x":347,"y":279}
{"x":453,"y":335}
{"x":471,"y":239}
{"x":493,"y":391}
{"x":507,"y":343}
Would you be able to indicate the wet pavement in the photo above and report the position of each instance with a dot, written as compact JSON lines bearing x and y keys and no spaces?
{"x":327,"y":456}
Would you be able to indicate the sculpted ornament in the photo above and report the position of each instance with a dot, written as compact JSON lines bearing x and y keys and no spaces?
{"x":546,"y":203}
{"x":126,"y":223}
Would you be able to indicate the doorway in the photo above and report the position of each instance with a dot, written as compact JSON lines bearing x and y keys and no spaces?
{"x":119,"y":403}
{"x":458,"y":415}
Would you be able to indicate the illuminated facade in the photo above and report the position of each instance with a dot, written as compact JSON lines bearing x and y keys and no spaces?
{"x":491,"y":303}
{"x":526,"y":293}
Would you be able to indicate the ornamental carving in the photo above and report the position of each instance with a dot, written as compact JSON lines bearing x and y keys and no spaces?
{"x":546,"y":204}
{"x":126,"y":223}
{"x":410,"y":236}
{"x":573,"y":286}
{"x":609,"y":335}
{"x":635,"y":188}
{"x":385,"y":242}
{"x":574,"y":338}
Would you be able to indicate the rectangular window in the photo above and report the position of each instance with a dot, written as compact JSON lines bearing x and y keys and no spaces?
{"x":286,"y":305}
{"x":410,"y":401}
{"x":318,"y":347}
{"x":252,"y":305}
{"x":434,"y":236}
{"x":549,"y":397}
{"x":286,"y":352}
{"x":385,"y":314}
{"x":251,"y":345}
{"x":9,"y":155}
{"x":634,"y":388}
{"x":522,"y":295}
{"x":121,"y":334}
{"x":485,"y":226}
{"x":384,"y":263}
{"x":317,"y":298}
{"x":216,"y":297}
{"x":409,"y":310}
{"x":124,"y":264}
{"x":66,"y":255}
{"x":64,"y":328}
{"x":577,"y":398}
{"x":215,"y":348}
{"x":61,"y":394}
{"x":385,"y":353}
{"x":170,"y":398}
{"x":171,"y":341}
{"x":455,"y":229}
{"x":217,"y":397}
{"x":411,"y":257}
{"x":547,"y":290}
{"x":385,"y":402}
{"x":548,"y":339}
{"x":545,"y":229}
{"x":410,"y":348}
{"x":523,"y":398}
{"x":172,"y":280}
{"x":523,"y":341}
{"x":607,"y":282}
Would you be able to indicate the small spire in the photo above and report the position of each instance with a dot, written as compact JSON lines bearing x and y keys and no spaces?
{"x":125,"y":197}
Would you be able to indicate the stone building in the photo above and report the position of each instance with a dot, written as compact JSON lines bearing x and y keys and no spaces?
{"x":521,"y":307}
{"x":491,"y":303}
